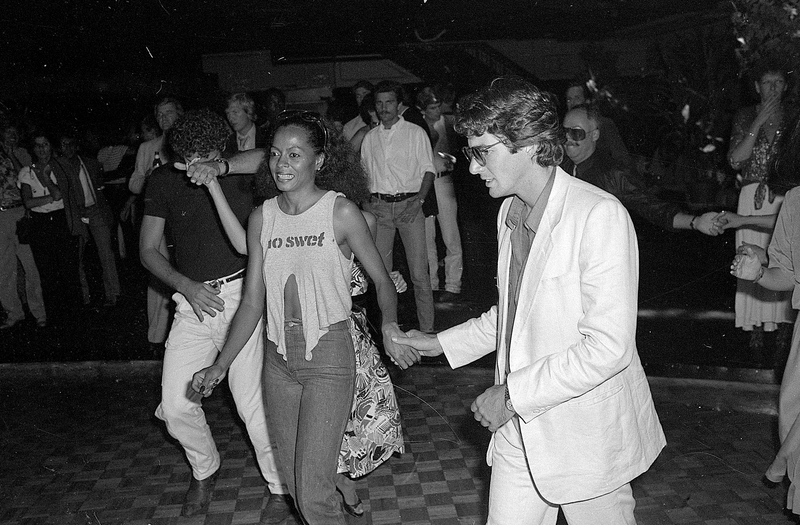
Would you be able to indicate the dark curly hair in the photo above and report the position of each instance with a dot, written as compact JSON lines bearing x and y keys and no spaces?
{"x":341,"y":170}
{"x":784,"y":173}
{"x":519,"y":114}
{"x":198,"y":131}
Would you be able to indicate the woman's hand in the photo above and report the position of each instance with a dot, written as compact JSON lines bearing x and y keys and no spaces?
{"x":746,"y":265}
{"x":204,"y":381}
{"x":401,"y":355}
{"x":768,"y":108}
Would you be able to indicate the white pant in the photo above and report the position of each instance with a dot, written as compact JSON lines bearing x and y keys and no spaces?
{"x":192,"y":346}
{"x":514,"y":499}
{"x":448,"y":224}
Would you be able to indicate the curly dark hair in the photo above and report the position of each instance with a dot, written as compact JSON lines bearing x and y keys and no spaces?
{"x":519,"y":114}
{"x":198,"y":131}
{"x":341,"y":171}
{"x":784,"y":173}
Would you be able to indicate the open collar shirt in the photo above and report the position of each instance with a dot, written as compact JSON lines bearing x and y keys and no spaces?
{"x":397,"y":158}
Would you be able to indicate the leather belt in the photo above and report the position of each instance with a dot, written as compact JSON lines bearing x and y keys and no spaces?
{"x":216,"y":283}
{"x":397,"y":197}
{"x":10,"y":206}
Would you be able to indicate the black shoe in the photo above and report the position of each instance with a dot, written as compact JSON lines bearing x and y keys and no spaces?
{"x":279,"y":507}
{"x":199,"y":495}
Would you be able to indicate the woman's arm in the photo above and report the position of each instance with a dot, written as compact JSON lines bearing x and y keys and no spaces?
{"x":32,"y":202}
{"x":233,"y":228}
{"x":351,"y":228}
{"x":734,"y":220}
{"x":247,"y":316}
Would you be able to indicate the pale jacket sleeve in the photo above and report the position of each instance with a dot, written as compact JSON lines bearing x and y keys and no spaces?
{"x":606,"y":287}
{"x":470,"y":340}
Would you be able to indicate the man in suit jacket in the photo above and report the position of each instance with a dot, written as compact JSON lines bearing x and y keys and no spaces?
{"x":88,"y":205}
{"x":241,"y":115}
{"x":571,"y":413}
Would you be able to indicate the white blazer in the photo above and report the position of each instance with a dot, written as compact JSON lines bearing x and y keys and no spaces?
{"x":586,"y":414}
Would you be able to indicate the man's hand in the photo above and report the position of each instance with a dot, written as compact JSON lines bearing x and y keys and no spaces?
{"x":402,"y":356}
{"x":489,"y":408}
{"x":709,"y":224}
{"x":201,"y":172}
{"x":203,"y":298}
{"x":427,"y":344}
{"x":411,"y":211}
{"x":204,"y":381}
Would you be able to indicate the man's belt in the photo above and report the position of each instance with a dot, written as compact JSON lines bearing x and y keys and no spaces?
{"x":10,"y":206}
{"x":397,"y":197}
{"x":216,"y":283}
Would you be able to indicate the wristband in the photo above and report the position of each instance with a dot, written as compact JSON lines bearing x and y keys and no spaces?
{"x":759,"y":276}
{"x":691,"y":223}
{"x":225,"y":163}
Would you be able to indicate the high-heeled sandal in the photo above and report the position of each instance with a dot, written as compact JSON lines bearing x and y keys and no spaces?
{"x":355,"y":510}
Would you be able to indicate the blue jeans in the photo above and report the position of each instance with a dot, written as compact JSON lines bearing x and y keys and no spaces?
{"x":308,"y":404}
{"x":413,"y":237}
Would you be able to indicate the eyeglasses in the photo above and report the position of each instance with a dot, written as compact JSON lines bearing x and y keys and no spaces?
{"x":577,"y":134}
{"x":478,"y":152}
{"x":306,"y":116}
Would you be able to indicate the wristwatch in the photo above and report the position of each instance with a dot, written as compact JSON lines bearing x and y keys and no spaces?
{"x":509,"y":406}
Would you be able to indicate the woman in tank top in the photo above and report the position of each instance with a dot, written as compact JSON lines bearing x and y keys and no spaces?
{"x":301,"y":245}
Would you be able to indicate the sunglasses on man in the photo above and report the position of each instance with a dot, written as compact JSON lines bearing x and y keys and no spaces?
{"x":577,"y":134}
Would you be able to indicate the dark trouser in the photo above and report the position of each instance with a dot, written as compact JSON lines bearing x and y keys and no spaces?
{"x":55,"y":251}
{"x":308,"y":404}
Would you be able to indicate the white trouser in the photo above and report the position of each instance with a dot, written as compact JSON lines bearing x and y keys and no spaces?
{"x":514,"y":499}
{"x":448,"y":224}
{"x":193,"y":345}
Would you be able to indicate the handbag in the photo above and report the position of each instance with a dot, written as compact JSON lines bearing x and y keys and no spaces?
{"x":24,"y":226}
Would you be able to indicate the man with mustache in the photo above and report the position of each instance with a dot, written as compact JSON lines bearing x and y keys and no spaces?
{"x":399,"y":160}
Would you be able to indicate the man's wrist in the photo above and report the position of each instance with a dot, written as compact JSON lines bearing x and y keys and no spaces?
{"x":692,"y":223}
{"x":760,"y":275}
{"x":509,"y":406}
{"x":225,"y":167}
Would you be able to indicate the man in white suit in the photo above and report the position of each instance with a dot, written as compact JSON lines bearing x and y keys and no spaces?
{"x":571,"y":415}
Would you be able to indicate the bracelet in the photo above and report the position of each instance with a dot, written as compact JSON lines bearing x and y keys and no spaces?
{"x":751,"y":133}
{"x":226,"y":164}
{"x":691,"y":223}
{"x":760,"y":275}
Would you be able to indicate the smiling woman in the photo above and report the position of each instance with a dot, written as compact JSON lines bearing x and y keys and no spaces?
{"x":299,"y":279}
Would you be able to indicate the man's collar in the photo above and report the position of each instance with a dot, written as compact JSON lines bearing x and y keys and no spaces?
{"x":532,"y":214}
{"x":399,"y":119}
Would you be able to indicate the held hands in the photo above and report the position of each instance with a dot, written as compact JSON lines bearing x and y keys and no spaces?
{"x":426,"y":344}
{"x":201,"y":172}
{"x":729,"y":220}
{"x":203,"y":298}
{"x":709,"y":223}
{"x":489,"y":408}
{"x":204,"y":381}
{"x":402,"y":355}
{"x":747,"y":264}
